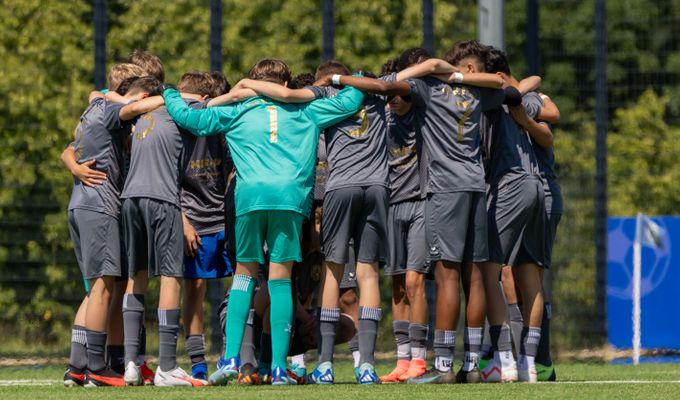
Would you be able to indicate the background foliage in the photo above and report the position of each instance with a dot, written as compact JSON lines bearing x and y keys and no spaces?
{"x":46,"y":49}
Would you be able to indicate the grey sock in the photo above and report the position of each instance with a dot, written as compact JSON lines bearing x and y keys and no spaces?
{"x":486,"y":340}
{"x":444,"y":343}
{"x":400,"y":328}
{"x":472,"y":338}
{"x":500,"y":337}
{"x":142,"y":339}
{"x":133,"y":310}
{"x":247,"y":352}
{"x":368,"y":333}
{"x":543,"y":352}
{"x":196,"y":348}
{"x":115,"y":357}
{"x":417,"y":334}
{"x":96,"y":346}
{"x":530,"y":339}
{"x":168,"y":329}
{"x":223,"y":320}
{"x":516,"y":325}
{"x":353,"y":343}
{"x":78,"y":358}
{"x":328,"y":321}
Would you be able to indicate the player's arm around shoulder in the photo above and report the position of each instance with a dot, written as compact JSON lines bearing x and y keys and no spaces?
{"x":202,"y":122}
{"x":329,"y":111}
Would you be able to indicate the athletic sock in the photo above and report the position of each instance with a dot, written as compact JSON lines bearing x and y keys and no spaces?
{"x":473,"y":346}
{"x":516,"y":325}
{"x":78,"y":358}
{"x":530,"y":338}
{"x":502,"y":344}
{"x":400,"y":328}
{"x":133,"y":310}
{"x":96,"y":346}
{"x":237,"y":313}
{"x":328,"y":322}
{"x":281,"y":319}
{"x":168,"y":329}
{"x":354,"y":349}
{"x":486,"y":341}
{"x":368,"y":333}
{"x":299,"y":360}
{"x":543,"y":352}
{"x":141,"y":358}
{"x":195,"y":349}
{"x":115,"y":357}
{"x":265,"y":349}
{"x":417,"y":334}
{"x":247,"y":352}
{"x":444,"y":343}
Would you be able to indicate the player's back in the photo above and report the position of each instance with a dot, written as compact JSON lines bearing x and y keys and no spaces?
{"x":403,"y":157}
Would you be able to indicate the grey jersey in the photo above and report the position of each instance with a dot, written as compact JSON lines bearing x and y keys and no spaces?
{"x":321,"y":169}
{"x":448,"y":117}
{"x":158,"y":160}
{"x":546,"y":157}
{"x":357,"y":147}
{"x":403,"y":157}
{"x":100,"y":136}
{"x":507,"y":147}
{"x":204,"y":182}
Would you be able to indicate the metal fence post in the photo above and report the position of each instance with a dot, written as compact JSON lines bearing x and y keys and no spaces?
{"x":328,"y":30}
{"x":531,"y":50}
{"x":100,"y":27}
{"x":428,"y":26}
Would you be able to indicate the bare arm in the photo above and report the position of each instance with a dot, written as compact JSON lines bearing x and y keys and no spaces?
{"x":83,"y":172}
{"x":115,"y":97}
{"x":433,"y":66}
{"x":234,"y":96}
{"x":540,"y":132}
{"x":529,"y":84}
{"x":549,"y":112}
{"x":376,"y":86}
{"x":277,"y":92}
{"x":95,"y":94}
{"x":143,"y":106}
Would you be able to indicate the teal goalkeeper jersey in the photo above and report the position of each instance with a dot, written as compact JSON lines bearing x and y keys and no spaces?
{"x":273,"y":144}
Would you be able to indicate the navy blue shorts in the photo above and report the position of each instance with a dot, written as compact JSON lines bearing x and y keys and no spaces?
{"x":211,"y":261}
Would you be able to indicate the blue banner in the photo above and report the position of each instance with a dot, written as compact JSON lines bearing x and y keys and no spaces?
{"x":659,"y":288}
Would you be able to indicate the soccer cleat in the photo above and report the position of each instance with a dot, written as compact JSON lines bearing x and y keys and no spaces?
{"x":367,"y":375}
{"x":300,"y":372}
{"x":322,"y":374}
{"x":434,"y":376}
{"x":416,"y":368}
{"x":546,"y":373}
{"x":147,"y":373}
{"x":200,"y":371}
{"x":299,"y":379}
{"x":399,"y":370}
{"x":525,"y":372}
{"x":472,"y":376}
{"x":495,"y":373}
{"x":133,"y":375}
{"x":227,"y":370}
{"x":106,"y":377}
{"x":280,"y":377}
{"x":74,"y":377}
{"x":248,"y":375}
{"x":176,"y":377}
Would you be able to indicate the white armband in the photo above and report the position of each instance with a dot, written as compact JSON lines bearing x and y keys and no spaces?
{"x":335,"y":79}
{"x":544,"y":97}
{"x":458,"y":77}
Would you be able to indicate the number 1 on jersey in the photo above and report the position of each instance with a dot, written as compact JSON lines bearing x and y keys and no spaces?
{"x":273,"y":124}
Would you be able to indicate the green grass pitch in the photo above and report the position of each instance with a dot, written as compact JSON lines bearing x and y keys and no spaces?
{"x":576,"y":381}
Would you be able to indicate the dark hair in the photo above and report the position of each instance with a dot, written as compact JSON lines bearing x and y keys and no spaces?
{"x":389,"y":67}
{"x":465,"y":49}
{"x":270,"y":70}
{"x":220,"y":84}
{"x":331,"y":67}
{"x":149,"y":63}
{"x":412,"y":56}
{"x":497,"y":61}
{"x":196,"y":82}
{"x":147,"y":84}
{"x":124,"y":86}
{"x":302,"y":80}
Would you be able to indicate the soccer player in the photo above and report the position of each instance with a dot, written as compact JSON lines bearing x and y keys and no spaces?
{"x":152,"y":221}
{"x":149,"y":62}
{"x":274,"y":150}
{"x":94,"y":211}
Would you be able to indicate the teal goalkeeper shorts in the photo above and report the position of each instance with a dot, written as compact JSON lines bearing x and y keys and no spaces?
{"x":280,"y":229}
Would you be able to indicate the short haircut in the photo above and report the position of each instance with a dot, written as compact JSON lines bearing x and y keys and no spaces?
{"x":497,"y":61}
{"x":220,"y":84}
{"x":124,"y":86}
{"x":390,"y":66}
{"x":121,"y":72}
{"x":465,"y":49}
{"x":331,"y":67}
{"x":145,"y":84}
{"x":412,"y":56}
{"x":270,"y":70}
{"x":149,"y":63}
{"x":302,"y":80}
{"x":196,"y":82}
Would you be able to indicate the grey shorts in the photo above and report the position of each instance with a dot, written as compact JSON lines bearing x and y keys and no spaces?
{"x":456,"y":228}
{"x":154,"y":237}
{"x":96,"y":241}
{"x":517,"y":222}
{"x":358,"y":213}
{"x":406,"y":234}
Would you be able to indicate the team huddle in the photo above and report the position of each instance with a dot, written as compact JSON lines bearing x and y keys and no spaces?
{"x":303,"y":188}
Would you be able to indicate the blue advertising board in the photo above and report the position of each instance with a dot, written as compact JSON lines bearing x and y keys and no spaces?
{"x":659,"y":288}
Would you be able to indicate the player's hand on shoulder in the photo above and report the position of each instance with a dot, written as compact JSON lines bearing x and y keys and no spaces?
{"x":324,"y":81}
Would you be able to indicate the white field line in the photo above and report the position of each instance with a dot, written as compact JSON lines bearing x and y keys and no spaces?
{"x":29,"y":382}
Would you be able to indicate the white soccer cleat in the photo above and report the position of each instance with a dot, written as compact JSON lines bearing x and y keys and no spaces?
{"x":494,"y":372}
{"x":526,"y":373}
{"x":176,"y":377}
{"x":133,"y":375}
